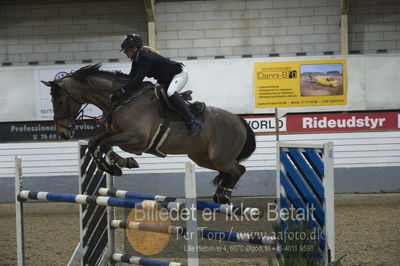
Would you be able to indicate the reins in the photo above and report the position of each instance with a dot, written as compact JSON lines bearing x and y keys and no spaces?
{"x":78,"y":118}
{"x":121,"y":104}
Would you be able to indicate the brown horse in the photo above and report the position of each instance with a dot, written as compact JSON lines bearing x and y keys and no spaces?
{"x":224,"y":141}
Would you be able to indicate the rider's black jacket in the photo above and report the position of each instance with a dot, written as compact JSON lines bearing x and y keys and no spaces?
{"x":152,"y":65}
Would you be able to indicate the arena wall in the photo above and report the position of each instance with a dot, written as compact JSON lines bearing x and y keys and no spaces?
{"x":49,"y":32}
{"x":372,"y":83}
{"x":365,"y":162}
{"x":226,"y":37}
{"x":58,"y":32}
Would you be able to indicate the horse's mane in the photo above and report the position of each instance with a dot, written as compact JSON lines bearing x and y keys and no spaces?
{"x":86,"y":72}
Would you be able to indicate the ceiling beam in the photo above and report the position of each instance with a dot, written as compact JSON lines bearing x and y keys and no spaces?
{"x":344,"y":7}
{"x":344,"y":31}
{"x":149,"y":6}
{"x":151,"y":25}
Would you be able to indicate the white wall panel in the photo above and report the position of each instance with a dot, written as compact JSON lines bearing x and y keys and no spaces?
{"x":17,"y":100}
{"x":378,"y":94}
{"x":373,"y":84}
{"x":364,"y":149}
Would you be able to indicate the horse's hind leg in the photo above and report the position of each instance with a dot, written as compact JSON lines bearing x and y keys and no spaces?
{"x":229,"y":177}
{"x":222,"y":193}
{"x":201,"y":159}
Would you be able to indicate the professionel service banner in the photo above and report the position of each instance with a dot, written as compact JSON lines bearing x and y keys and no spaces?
{"x":44,"y":107}
{"x":300,"y":83}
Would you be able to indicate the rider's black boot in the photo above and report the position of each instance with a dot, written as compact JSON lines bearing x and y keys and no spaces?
{"x":180,"y":105}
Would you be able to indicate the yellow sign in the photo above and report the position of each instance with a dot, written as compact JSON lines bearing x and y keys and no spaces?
{"x":300,"y":83}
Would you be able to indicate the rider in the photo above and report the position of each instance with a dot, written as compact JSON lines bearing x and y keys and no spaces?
{"x":146,"y":62}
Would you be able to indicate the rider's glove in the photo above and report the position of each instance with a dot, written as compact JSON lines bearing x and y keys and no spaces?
{"x":117,"y":94}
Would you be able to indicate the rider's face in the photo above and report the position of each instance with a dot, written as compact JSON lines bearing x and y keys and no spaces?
{"x":131,"y":52}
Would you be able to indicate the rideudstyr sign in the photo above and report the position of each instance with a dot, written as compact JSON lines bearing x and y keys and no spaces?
{"x":309,"y":123}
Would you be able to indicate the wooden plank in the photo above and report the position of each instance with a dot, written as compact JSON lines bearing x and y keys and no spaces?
{"x":151,"y":25}
{"x":360,"y":149}
{"x":151,"y":31}
{"x":363,"y":162}
{"x":35,"y":145}
{"x":365,"y":154}
{"x":344,"y":31}
{"x":344,"y":7}
{"x":370,"y":147}
{"x":150,"y":12}
{"x":344,"y":35}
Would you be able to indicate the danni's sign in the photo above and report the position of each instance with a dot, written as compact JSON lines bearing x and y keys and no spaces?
{"x":300,"y":83}
{"x":326,"y":122}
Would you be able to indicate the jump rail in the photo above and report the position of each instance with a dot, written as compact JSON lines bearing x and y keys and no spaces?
{"x":95,"y":200}
{"x":117,"y":257}
{"x":204,"y":233}
{"x":201,"y":205}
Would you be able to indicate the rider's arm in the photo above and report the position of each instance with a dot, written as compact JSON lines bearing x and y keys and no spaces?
{"x":138,"y":73}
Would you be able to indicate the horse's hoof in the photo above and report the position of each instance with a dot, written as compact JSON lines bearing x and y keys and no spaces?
{"x":221,"y":199}
{"x":260,"y":214}
{"x":131,"y":163}
{"x":114,"y":170}
{"x":102,"y":167}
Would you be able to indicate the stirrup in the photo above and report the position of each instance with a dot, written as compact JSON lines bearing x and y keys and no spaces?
{"x":193,"y":130}
{"x":197,"y":123}
{"x":194,"y":127}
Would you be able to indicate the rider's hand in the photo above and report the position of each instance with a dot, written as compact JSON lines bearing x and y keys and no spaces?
{"x":117,"y":94}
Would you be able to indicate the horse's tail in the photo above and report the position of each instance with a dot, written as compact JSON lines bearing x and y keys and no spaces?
{"x":250,"y":144}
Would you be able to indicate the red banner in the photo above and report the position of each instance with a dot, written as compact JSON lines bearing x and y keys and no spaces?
{"x":309,"y":123}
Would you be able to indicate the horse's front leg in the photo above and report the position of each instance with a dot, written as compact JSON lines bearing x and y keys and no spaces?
{"x":98,"y":150}
{"x":93,"y":143}
{"x":122,"y":139}
{"x":120,"y":161}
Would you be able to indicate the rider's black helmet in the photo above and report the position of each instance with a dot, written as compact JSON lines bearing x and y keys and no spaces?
{"x":131,"y":40}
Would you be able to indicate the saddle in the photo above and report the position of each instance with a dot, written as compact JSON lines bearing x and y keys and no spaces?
{"x":168,"y":112}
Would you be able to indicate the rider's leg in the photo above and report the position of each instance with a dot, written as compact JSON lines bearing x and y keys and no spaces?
{"x":176,"y":85}
{"x":183,"y":110}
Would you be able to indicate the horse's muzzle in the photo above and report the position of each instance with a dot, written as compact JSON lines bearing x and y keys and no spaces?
{"x":64,"y":137}
{"x":65,"y":131}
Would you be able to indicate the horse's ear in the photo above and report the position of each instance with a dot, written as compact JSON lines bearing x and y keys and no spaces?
{"x":47,"y":83}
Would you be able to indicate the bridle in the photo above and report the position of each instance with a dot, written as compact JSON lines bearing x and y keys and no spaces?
{"x":70,"y":116}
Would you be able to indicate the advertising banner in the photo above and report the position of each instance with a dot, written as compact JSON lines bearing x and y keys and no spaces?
{"x":44,"y":107}
{"x":265,"y":124}
{"x":326,"y":123}
{"x":45,"y":131}
{"x":300,"y":83}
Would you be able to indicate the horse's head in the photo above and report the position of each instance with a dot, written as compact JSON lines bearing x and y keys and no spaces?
{"x":67,"y":103}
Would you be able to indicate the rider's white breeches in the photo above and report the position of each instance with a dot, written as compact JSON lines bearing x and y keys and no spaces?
{"x":178,"y":82}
